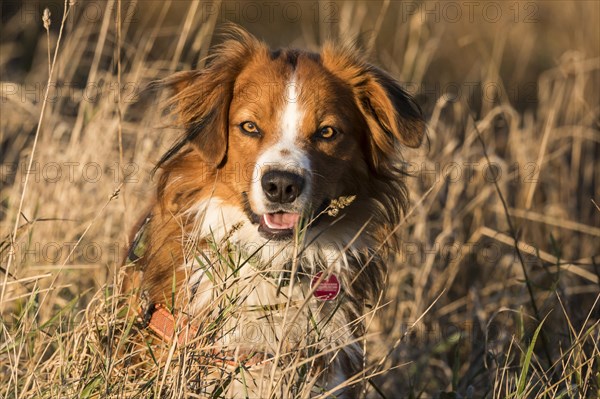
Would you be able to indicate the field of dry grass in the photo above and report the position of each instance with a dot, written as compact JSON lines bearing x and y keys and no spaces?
{"x":495,"y":289}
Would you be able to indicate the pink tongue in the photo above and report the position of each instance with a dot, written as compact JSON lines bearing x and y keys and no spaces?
{"x":281,"y":221}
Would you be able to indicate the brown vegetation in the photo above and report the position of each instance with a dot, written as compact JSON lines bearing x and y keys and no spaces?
{"x":494,"y":292}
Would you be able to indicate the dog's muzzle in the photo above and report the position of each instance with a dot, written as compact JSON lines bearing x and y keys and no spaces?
{"x":281,"y":186}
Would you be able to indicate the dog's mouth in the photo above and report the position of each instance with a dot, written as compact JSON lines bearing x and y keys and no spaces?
{"x":280,"y":225}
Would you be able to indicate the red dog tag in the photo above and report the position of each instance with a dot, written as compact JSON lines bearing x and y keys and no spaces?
{"x":328,"y":289}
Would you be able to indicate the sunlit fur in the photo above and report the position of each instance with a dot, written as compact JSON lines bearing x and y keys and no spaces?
{"x":203,"y":238}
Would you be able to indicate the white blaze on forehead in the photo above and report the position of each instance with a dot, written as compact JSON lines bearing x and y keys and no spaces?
{"x":285,"y":154}
{"x":292,"y":115}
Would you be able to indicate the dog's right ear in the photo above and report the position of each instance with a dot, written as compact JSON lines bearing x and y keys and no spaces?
{"x":393,"y":118}
{"x":201,"y":98}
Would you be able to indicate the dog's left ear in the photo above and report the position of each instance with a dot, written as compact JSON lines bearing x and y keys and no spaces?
{"x":201,"y":102}
{"x":391,"y":114}
{"x":201,"y":98}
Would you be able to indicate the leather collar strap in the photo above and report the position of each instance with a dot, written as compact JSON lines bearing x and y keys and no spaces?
{"x":162,"y":322}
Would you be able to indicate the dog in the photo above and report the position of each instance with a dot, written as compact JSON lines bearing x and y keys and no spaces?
{"x":275,"y":212}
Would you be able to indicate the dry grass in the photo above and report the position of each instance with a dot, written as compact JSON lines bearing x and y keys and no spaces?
{"x":505,"y":227}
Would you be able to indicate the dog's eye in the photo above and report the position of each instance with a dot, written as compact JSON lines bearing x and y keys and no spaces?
{"x":250,"y":128}
{"x":326,"y":133}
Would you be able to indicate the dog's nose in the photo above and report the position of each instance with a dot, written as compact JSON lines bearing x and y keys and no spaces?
{"x":281,"y":186}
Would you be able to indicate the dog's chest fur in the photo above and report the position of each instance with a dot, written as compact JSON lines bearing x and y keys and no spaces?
{"x":249,"y":295}
{"x":265,"y":287}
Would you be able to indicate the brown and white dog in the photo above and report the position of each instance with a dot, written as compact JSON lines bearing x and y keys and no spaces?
{"x":273,"y":214}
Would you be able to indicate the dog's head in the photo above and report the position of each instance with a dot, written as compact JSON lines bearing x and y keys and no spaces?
{"x":280,"y":134}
